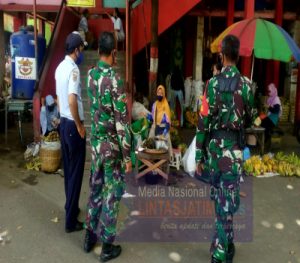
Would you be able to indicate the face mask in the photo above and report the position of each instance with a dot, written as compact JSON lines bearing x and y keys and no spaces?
{"x":51,"y":107}
{"x":79,"y":58}
{"x":159,"y":98}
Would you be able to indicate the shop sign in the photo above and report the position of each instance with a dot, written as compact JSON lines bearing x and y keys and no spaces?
{"x":25,"y":68}
{"x":81,"y":3}
{"x":114,"y":3}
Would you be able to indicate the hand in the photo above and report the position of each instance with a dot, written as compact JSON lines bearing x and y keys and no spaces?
{"x":43,"y":101}
{"x":199,"y":168}
{"x":142,"y":114}
{"x":81,"y":130}
{"x":128,"y":167}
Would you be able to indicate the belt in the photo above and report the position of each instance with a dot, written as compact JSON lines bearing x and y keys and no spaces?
{"x":225,"y":134}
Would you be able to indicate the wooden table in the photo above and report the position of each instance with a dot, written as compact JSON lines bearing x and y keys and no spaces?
{"x":152,"y":162}
{"x":259,"y":133}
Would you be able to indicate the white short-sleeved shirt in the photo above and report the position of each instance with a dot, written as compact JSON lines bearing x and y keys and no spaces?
{"x":67,"y":78}
{"x":118,"y":26}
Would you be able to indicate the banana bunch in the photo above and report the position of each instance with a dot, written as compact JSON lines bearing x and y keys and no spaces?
{"x":288,"y":165}
{"x":33,"y":164}
{"x":285,"y":165}
{"x":254,"y":166}
{"x":51,"y":137}
{"x":257,"y":166}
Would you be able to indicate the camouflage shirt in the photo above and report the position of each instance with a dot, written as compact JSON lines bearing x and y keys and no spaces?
{"x":108,"y":108}
{"x":243,"y":107}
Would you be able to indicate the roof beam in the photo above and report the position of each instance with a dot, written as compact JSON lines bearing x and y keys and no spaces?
{"x":268,"y":14}
{"x":28,"y":8}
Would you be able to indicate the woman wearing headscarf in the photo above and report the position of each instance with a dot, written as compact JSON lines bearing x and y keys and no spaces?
{"x":161,"y":116}
{"x":274,"y":110}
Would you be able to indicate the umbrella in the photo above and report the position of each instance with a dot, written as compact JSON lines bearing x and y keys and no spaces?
{"x":262,"y":38}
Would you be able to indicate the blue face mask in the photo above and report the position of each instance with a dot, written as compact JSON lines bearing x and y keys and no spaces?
{"x":159,"y":97}
{"x":79,"y":59}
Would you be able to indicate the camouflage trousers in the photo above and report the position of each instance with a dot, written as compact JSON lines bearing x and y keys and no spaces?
{"x":225,"y":161}
{"x":106,"y":189}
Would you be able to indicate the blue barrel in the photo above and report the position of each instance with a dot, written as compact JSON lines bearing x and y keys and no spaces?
{"x":24,"y":68}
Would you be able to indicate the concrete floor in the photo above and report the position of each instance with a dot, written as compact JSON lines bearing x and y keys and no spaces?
{"x":29,"y":200}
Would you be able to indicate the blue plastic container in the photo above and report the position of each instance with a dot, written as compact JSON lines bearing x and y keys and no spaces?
{"x":24,"y":68}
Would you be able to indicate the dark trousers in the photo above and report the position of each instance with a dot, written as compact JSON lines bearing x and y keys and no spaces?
{"x":73,"y":149}
{"x":268,"y":125}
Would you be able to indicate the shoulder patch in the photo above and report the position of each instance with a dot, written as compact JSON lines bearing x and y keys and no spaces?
{"x":75,"y":74}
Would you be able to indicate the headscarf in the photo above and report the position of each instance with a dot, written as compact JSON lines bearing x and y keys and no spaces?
{"x":161,"y":109}
{"x":273,"y":98}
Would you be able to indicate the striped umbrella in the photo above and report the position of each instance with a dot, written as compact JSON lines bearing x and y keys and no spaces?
{"x":261,"y":38}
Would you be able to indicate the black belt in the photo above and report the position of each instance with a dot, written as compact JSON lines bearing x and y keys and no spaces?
{"x":225,"y":134}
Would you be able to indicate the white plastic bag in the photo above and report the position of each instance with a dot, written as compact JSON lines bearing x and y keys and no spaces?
{"x":198,"y":91}
{"x":188,"y":160}
{"x":138,"y":111}
{"x":51,"y":145}
{"x":187,"y":91}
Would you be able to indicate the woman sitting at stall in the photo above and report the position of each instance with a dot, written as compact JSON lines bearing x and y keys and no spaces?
{"x":161,"y":117}
{"x":274,"y":111}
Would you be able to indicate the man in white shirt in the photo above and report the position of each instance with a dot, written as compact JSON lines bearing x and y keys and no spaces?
{"x":72,"y":131}
{"x":118,"y":26}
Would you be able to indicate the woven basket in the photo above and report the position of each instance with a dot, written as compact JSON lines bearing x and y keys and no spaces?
{"x":50,"y":160}
{"x":155,"y":151}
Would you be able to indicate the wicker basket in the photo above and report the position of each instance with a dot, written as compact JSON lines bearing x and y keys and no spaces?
{"x":155,"y":151}
{"x":50,"y":160}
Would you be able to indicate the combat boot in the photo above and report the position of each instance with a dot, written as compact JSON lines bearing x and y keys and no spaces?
{"x":90,"y":241}
{"x":109,"y":251}
{"x":214,"y":260}
{"x":230,"y":253}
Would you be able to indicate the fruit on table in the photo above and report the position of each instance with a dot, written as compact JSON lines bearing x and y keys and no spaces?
{"x":149,"y":143}
{"x":51,"y":137}
{"x":284,"y":165}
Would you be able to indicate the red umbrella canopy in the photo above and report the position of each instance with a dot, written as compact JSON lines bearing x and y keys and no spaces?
{"x":267,"y":40}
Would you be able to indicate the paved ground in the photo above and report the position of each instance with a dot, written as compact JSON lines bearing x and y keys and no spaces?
{"x":29,"y":200}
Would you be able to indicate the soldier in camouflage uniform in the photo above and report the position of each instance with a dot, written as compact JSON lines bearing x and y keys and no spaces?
{"x":227,"y":103}
{"x":110,"y":142}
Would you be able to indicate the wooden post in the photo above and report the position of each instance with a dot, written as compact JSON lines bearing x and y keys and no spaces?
{"x":2,"y":51}
{"x":199,"y":49}
{"x":230,"y":12}
{"x":153,"y":50}
{"x":297,"y":107}
{"x":246,"y":61}
{"x":278,"y":21}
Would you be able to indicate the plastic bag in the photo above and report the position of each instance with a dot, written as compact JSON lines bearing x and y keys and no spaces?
{"x":51,"y":145}
{"x":187,"y":91}
{"x":188,"y":160}
{"x":139,"y":111}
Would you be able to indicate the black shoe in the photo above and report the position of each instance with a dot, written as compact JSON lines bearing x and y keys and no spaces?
{"x":230,"y":253}
{"x":90,"y":241}
{"x":109,"y":251}
{"x":78,"y":226}
{"x":214,"y":260}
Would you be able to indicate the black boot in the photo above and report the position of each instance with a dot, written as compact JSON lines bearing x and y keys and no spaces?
{"x":90,"y":241}
{"x":230,"y":253}
{"x":214,"y":260}
{"x":109,"y":251}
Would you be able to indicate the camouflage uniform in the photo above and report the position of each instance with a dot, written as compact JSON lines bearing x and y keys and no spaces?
{"x":110,"y":142}
{"x":224,"y":155}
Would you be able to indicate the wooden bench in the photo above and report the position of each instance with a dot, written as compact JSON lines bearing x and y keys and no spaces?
{"x":152,"y":162}
{"x":259,"y":133}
